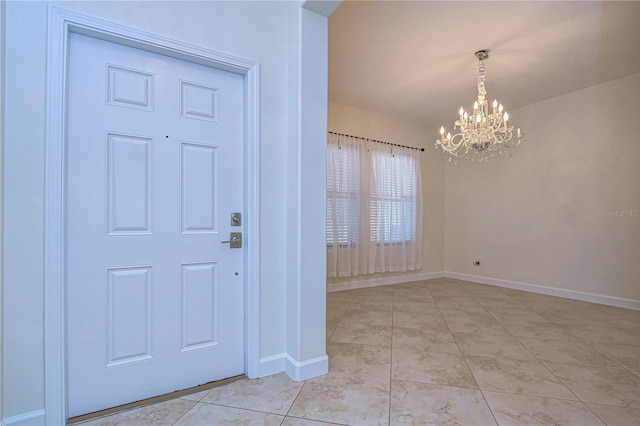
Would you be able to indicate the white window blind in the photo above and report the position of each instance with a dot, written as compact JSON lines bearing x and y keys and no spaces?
{"x":374,"y":207}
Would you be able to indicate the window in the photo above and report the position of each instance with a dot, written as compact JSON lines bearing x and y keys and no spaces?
{"x":341,"y":204}
{"x":392,"y":215}
{"x":374,"y":202}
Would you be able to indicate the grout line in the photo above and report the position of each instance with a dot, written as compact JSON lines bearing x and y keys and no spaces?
{"x":294,"y":400}
{"x":464,"y":358}
{"x":240,"y":408}
{"x":594,"y":413}
{"x":461,"y":353}
{"x":539,"y":397}
{"x":153,"y":400}
{"x":185,"y":413}
{"x":393,"y":309}
{"x":536,"y":358}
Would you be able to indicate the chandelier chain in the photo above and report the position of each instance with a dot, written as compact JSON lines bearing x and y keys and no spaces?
{"x":482,"y":91}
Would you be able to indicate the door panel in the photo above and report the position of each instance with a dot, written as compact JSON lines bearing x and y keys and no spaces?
{"x":199,"y":178}
{"x":155,"y":302}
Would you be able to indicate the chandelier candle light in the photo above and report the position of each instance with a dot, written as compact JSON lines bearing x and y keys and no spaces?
{"x":482,"y":134}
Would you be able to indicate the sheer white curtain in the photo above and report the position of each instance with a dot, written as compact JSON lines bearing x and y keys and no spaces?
{"x":374,"y":207}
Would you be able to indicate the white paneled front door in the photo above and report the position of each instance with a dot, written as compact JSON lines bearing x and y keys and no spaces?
{"x":155,"y":300}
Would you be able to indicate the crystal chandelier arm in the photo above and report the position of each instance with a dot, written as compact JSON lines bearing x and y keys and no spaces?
{"x":453,"y":144}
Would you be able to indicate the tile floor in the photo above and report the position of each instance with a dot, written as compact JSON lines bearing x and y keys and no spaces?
{"x":442,"y":352}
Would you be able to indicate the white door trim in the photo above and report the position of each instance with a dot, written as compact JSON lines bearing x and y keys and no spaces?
{"x":61,"y":23}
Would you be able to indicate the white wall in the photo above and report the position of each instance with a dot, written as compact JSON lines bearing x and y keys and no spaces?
{"x":253,"y":30}
{"x":367,"y":124}
{"x":2,"y":43}
{"x":541,"y":217}
{"x":306,"y":277}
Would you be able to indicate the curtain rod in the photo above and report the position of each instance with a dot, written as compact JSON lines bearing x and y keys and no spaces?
{"x":373,"y":140}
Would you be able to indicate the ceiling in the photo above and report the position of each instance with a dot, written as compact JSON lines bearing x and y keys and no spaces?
{"x":416,"y":60}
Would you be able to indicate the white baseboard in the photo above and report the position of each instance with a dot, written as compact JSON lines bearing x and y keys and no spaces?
{"x":272,"y":365}
{"x":298,"y":371}
{"x":33,"y":418}
{"x":375,"y":282}
{"x":308,"y":369}
{"x":532,"y":288}
{"x":551,"y":291}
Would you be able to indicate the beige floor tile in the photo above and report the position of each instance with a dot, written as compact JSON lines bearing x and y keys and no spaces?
{"x":338,"y":297}
{"x":527,"y":410}
{"x":380,"y":289}
{"x":501,"y":302}
{"x":415,"y":307}
{"x":333,"y":318}
{"x":626,"y":356}
{"x":424,"y":340}
{"x":457,"y":298}
{"x":490,"y":296}
{"x":445,"y":285}
{"x":420,"y":404}
{"x":631,"y":331}
{"x":602,"y":334}
{"x":469,"y":317}
{"x":616,"y":416}
{"x":344,"y":405}
{"x":427,"y":321}
{"x":459,"y":304}
{"x":610,"y":386}
{"x":517,"y":377}
{"x":507,"y":316}
{"x":431,"y":367}
{"x":486,"y":344}
{"x":439,"y":294}
{"x":372,"y":305}
{"x":272,"y":394}
{"x":335,"y":314}
{"x":570,"y":317}
{"x":433,"y":382}
{"x":356,"y":366}
{"x":329,"y":333}
{"x":356,"y":317}
{"x":482,"y":324}
{"x":296,"y":421}
{"x":162,"y":413}
{"x":385,"y":298}
{"x":411,"y":296}
{"x":375,"y":335}
{"x":209,"y":414}
{"x":616,"y":317}
{"x":538,"y":330}
{"x":566,"y":352}
{"x":417,"y":287}
{"x":195,"y":396}
{"x":419,"y":293}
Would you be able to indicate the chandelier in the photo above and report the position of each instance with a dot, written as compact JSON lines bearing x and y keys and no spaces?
{"x":481,"y":134}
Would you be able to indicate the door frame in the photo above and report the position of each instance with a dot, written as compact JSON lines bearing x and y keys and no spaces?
{"x":61,"y":23}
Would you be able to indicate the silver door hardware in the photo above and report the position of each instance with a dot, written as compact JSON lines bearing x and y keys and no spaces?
{"x":235,"y":240}
{"x":236,"y":219}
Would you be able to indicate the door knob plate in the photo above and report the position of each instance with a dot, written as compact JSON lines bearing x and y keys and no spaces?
{"x":235,"y":240}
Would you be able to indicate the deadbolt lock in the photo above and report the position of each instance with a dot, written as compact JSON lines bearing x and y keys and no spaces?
{"x":236,"y":219}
